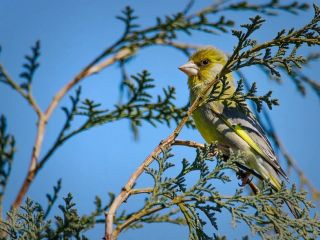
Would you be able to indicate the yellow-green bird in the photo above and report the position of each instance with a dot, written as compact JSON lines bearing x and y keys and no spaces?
{"x":230,"y":125}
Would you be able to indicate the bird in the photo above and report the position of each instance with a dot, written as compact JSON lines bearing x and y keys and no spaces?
{"x":228,"y":124}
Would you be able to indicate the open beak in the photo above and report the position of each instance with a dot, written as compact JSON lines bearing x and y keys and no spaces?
{"x":190,"y":68}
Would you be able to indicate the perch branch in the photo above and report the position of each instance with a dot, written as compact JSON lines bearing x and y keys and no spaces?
{"x":193,"y":144}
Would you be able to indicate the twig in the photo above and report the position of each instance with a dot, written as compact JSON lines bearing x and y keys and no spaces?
{"x":180,"y":45}
{"x":28,"y":96}
{"x":253,"y":187}
{"x":124,"y":53}
{"x":136,"y":217}
{"x":187,"y":143}
{"x":140,"y":190}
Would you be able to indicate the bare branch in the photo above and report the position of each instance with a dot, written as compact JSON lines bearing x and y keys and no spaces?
{"x":87,"y":71}
{"x":187,"y":143}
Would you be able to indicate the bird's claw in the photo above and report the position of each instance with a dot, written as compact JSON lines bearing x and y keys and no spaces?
{"x":245,"y":177}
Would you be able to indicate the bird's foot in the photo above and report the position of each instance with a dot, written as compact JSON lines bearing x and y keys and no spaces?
{"x":245,"y":177}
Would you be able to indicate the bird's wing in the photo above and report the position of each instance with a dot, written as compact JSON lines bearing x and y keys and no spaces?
{"x":246,"y":126}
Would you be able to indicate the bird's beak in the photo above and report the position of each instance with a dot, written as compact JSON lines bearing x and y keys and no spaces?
{"x":190,"y":68}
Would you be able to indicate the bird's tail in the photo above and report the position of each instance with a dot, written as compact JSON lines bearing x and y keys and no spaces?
{"x":274,"y":180}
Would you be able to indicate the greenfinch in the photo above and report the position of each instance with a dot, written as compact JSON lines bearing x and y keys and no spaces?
{"x":228,"y":124}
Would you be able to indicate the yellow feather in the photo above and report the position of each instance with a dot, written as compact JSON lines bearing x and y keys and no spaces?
{"x":242,"y":133}
{"x":274,"y":181}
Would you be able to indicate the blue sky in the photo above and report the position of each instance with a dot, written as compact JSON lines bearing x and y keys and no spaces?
{"x":72,"y":33}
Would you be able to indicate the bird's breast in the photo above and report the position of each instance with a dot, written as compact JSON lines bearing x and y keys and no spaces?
{"x":209,"y":125}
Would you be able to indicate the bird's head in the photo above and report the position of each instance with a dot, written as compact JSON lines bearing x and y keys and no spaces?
{"x":203,"y":66}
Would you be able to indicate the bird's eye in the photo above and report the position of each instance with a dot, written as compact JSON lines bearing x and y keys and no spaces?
{"x":204,"y":62}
